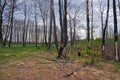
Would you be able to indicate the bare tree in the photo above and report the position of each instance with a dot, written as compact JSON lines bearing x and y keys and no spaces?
{"x":2,"y":7}
{"x":51,"y":17}
{"x":13,"y":2}
{"x":63,"y":25}
{"x":24,"y":27}
{"x":61,"y":18}
{"x":88,"y":25}
{"x":44,"y":10}
{"x":102,"y":9}
{"x":115,"y":31}
{"x":55,"y":28}
{"x":104,"y":29}
{"x":36,"y":26}
{"x":52,"y":23}
{"x":75,"y":16}
{"x":7,"y":29}
{"x":92,"y":20}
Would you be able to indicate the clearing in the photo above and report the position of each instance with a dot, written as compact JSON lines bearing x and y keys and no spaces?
{"x":45,"y":66}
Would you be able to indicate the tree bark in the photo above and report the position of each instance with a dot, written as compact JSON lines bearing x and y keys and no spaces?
{"x":51,"y":20}
{"x":92,"y":22}
{"x":11,"y":22}
{"x":104,"y":29}
{"x":88,"y":27}
{"x":55,"y":30}
{"x":115,"y":31}
{"x":61,"y":19}
{"x":36,"y":31}
{"x":63,"y":29}
{"x":2,"y":7}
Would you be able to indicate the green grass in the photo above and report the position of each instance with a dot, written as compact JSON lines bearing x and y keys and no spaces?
{"x":17,"y":52}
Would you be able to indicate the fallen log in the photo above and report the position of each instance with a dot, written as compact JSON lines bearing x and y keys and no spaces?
{"x":75,"y":70}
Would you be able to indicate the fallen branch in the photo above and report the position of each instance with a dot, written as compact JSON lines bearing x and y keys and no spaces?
{"x":75,"y":70}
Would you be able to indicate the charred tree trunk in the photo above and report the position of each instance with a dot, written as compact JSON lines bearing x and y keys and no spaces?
{"x":104,"y":29}
{"x":1,"y":19}
{"x":36,"y":31}
{"x":55,"y":30}
{"x":51,"y":20}
{"x":11,"y":22}
{"x":88,"y":25}
{"x":7,"y":31}
{"x":115,"y":31}
{"x":63,"y":29}
{"x":1,"y":36}
{"x":71,"y":35}
{"x":24,"y":27}
{"x":74,"y":31}
{"x":92,"y":22}
{"x":61,"y":19}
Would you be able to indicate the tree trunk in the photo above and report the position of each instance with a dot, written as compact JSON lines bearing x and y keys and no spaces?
{"x":92,"y":22}
{"x":74,"y":31}
{"x":88,"y":27}
{"x":61,"y":19}
{"x":2,"y":7}
{"x":115,"y":31}
{"x":24,"y":27}
{"x":51,"y":20}
{"x":104,"y":29}
{"x":11,"y":22}
{"x":55,"y":30}
{"x":70,"y":24}
{"x":7,"y":31}
{"x":64,"y":31}
{"x":36,"y":32}
{"x":1,"y":36}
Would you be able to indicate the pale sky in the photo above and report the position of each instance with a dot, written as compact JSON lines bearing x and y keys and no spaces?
{"x":97,"y":21}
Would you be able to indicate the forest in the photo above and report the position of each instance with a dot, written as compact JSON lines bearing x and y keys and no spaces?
{"x":59,"y":40}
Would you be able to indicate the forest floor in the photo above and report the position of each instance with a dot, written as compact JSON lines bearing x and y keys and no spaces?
{"x":44,"y":66}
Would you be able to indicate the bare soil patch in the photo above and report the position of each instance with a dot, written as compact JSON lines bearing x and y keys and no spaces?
{"x":40,"y":67}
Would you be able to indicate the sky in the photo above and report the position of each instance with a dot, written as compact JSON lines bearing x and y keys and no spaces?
{"x":97,"y":31}
{"x":82,"y":32}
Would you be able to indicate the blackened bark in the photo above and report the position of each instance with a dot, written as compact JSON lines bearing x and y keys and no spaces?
{"x":65,"y":24}
{"x":88,"y":27}
{"x":104,"y":29}
{"x":61,"y":18}
{"x":11,"y":23}
{"x":2,"y":7}
{"x":74,"y":31}
{"x":71,"y":35}
{"x":24,"y":27}
{"x":64,"y":31}
{"x":115,"y":31}
{"x":51,"y":20}
{"x":92,"y":21}
{"x":36,"y":31}
{"x":55,"y":30}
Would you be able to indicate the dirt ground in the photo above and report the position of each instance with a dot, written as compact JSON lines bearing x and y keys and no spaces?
{"x":39,"y":67}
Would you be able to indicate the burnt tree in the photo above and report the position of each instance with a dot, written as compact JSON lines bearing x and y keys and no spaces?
{"x":115,"y":31}
{"x":88,"y":24}
{"x":63,"y":25}
{"x":105,"y":27}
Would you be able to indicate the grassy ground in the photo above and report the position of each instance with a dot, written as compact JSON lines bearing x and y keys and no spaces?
{"x":17,"y":52}
{"x":32,"y":63}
